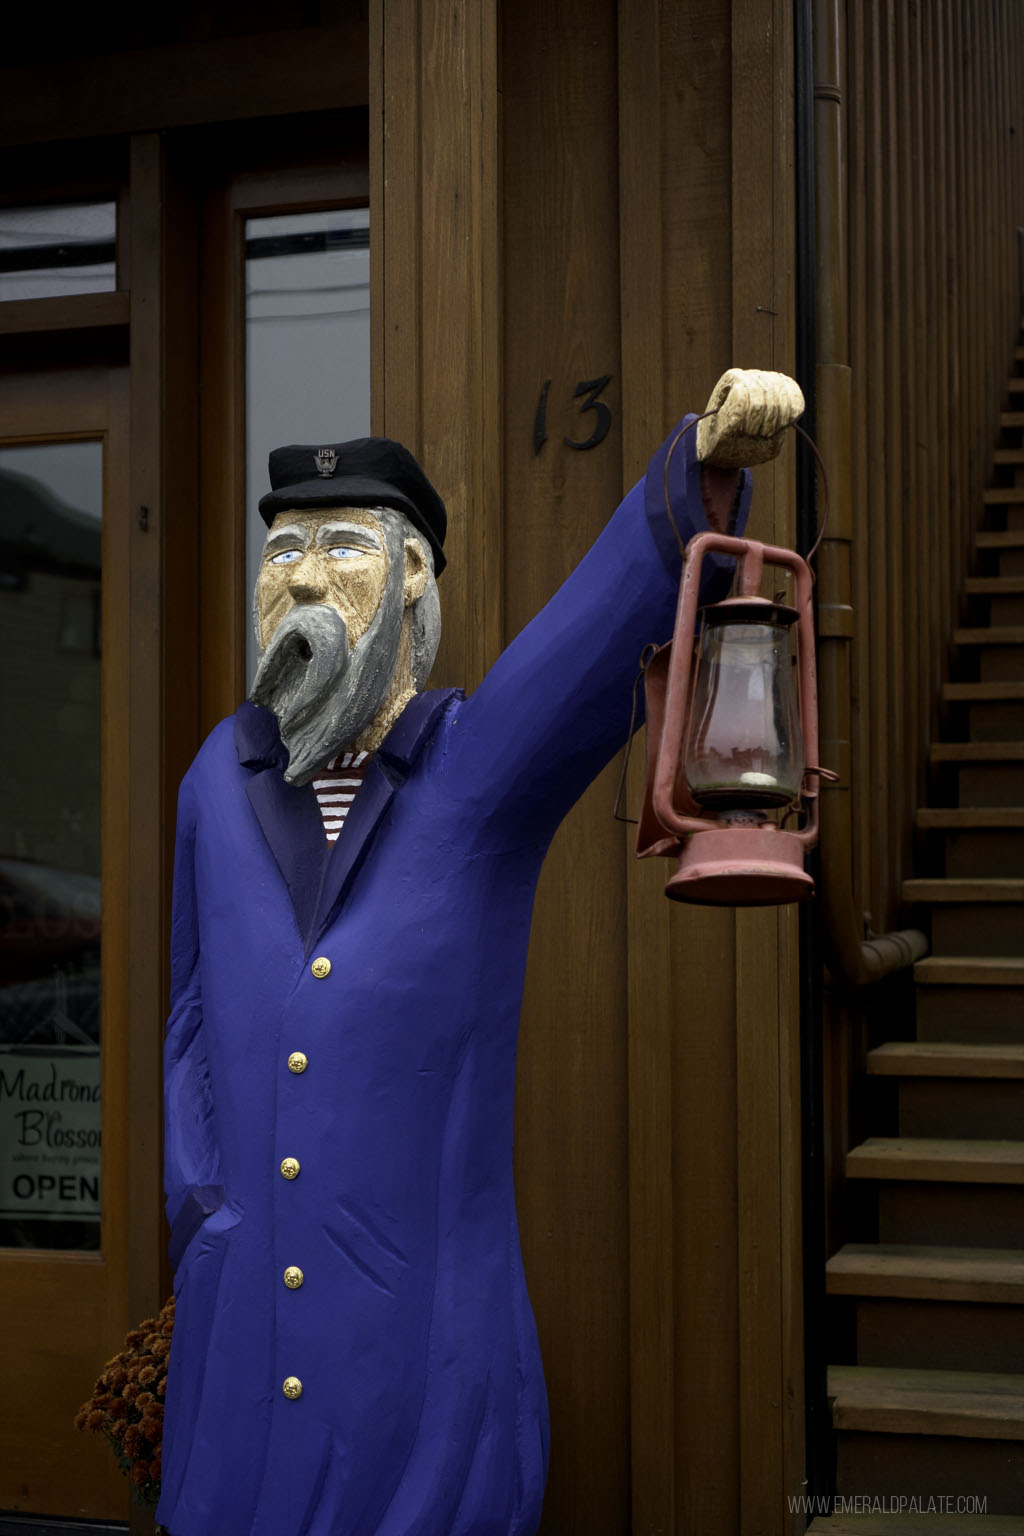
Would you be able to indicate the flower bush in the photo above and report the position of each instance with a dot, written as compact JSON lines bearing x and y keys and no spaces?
{"x":127,"y":1404}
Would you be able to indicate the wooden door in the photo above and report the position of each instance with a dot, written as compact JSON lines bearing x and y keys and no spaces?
{"x":67,"y":1122}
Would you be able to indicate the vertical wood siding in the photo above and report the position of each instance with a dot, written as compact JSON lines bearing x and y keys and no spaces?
{"x":935,"y":184}
{"x":643,"y":228}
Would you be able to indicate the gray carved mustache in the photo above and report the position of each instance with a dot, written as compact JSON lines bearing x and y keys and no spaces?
{"x":304,"y":664}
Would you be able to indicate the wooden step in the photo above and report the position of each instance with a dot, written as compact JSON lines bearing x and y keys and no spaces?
{"x":915,"y":1272}
{"x":916,"y":1058}
{"x":974,"y":888}
{"x":1007,"y":692}
{"x":937,"y":1160}
{"x":1004,"y":495}
{"x":970,"y":971}
{"x":908,"y":1521}
{"x":1009,"y":456}
{"x":990,"y":634}
{"x":966,"y":1404}
{"x":1011,"y":419}
{"x":994,"y":586}
{"x":1008,"y":538}
{"x":964,"y":818}
{"x":1015,"y":386}
{"x":978,"y":752}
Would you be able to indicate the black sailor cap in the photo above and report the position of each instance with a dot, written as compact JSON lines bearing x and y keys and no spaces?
{"x":366,"y":472}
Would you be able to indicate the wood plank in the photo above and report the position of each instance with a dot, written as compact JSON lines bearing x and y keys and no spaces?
{"x":885,"y":1400}
{"x":977,"y":751}
{"x":218,"y":80}
{"x":81,"y":312}
{"x":676,"y":340}
{"x":994,"y":634}
{"x":923,"y":1524}
{"x":945,"y":1059}
{"x":1002,"y":538}
{"x":559,"y":214}
{"x":770,"y":1377}
{"x":972,"y":888}
{"x":937,"y":1159}
{"x":653,"y":1280}
{"x":1004,"y":495}
{"x":1011,"y":419}
{"x":970,"y":971}
{"x":972,"y":693}
{"x":994,"y":586}
{"x":992,"y":1275}
{"x":971,"y":817}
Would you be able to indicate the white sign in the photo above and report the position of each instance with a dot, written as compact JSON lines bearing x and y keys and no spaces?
{"x":49,"y":1132}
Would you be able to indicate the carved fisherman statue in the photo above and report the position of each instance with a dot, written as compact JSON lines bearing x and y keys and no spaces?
{"x":354,"y":1352}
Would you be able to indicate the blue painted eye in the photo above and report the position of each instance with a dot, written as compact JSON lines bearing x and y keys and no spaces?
{"x":345,"y":552}
{"x":286,"y":557}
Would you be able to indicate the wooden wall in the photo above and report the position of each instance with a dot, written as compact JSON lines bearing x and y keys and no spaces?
{"x":641,"y":154}
{"x":934,"y":112}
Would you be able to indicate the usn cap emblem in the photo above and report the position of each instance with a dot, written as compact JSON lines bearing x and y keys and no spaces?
{"x":325,"y":460}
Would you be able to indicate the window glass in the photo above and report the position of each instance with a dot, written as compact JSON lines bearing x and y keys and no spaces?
{"x":50,"y":538}
{"x":56,"y":251}
{"x":307,"y":346}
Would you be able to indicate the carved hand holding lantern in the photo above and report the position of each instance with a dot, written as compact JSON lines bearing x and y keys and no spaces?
{"x":732,"y":736}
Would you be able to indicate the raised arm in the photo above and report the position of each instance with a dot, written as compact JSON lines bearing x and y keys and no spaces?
{"x":556,"y":705}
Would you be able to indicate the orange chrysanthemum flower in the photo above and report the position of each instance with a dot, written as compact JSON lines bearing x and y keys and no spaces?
{"x":127,"y":1402}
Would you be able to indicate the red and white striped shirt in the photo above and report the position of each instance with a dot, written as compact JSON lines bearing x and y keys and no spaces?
{"x":336,"y":787}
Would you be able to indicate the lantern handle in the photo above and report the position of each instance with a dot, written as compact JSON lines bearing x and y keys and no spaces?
{"x":808,"y":439}
{"x":645,"y":658}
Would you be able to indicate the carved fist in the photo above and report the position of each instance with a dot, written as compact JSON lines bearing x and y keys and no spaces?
{"x":754,"y":408}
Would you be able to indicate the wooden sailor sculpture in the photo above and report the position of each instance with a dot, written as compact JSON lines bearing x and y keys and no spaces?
{"x":354,"y":1351}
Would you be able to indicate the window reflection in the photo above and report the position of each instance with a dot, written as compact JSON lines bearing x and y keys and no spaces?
{"x":57,"y":251}
{"x":50,"y":539}
{"x":307,"y":345}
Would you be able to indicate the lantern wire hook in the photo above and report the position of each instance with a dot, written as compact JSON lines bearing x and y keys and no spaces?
{"x":808,"y":439}
{"x":646,"y":656}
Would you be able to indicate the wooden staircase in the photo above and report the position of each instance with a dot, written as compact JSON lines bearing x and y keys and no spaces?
{"x":934,"y":1405}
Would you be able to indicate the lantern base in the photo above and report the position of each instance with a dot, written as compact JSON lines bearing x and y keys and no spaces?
{"x":741,"y":866}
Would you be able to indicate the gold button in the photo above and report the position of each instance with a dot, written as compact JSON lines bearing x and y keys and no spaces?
{"x":292,"y":1387}
{"x":298,"y":1061}
{"x":290,"y":1167}
{"x":321,"y":967}
{"x":293,"y":1277}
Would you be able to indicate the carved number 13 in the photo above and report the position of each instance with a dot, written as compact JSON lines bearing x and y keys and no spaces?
{"x":587,"y":391}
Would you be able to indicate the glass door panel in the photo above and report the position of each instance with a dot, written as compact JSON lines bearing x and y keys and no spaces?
{"x":65,"y":1045}
{"x":51,"y":498}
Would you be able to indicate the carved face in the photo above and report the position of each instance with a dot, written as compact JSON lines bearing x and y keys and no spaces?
{"x":339,"y":557}
{"x":332,"y":596}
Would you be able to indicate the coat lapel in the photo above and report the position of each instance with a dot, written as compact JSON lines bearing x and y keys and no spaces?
{"x":318,"y":875}
{"x":384,"y":777}
{"x":288,"y":814}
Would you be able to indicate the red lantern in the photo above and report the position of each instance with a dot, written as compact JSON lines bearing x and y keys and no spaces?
{"x":732,"y":737}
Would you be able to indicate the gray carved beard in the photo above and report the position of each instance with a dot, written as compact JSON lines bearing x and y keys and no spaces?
{"x":323,"y":693}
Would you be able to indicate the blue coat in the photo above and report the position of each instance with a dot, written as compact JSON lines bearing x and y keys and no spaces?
{"x":422,"y":1410}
